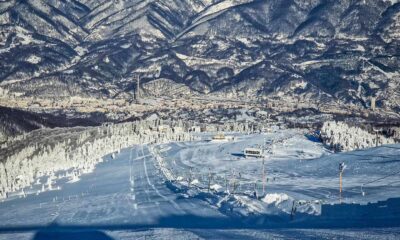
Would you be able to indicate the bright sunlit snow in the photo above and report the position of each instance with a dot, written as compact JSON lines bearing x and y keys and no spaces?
{"x":132,"y":190}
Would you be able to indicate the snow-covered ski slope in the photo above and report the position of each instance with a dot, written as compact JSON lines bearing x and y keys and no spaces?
{"x":295,"y":165}
{"x":128,"y":198}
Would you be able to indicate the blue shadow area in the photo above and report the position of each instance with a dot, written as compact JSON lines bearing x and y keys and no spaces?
{"x":313,"y":138}
{"x":382,"y":214}
{"x":241,"y":155}
{"x":78,"y":234}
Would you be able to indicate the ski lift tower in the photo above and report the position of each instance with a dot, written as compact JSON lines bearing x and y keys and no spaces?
{"x":265,"y":157}
{"x":342,"y":166}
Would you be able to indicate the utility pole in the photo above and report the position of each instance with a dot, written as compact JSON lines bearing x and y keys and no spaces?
{"x":263,"y":175}
{"x":209,"y":179}
{"x":255,"y":190}
{"x":341,"y":169}
{"x":238,"y":182}
{"x":226,"y":183}
{"x":234,"y":183}
{"x":293,"y":211}
{"x":190,"y":177}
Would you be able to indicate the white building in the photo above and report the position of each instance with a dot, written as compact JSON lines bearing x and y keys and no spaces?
{"x":220,"y":137}
{"x":373,"y":103}
{"x":253,"y":152}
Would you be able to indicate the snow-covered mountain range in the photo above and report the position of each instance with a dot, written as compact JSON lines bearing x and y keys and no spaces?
{"x":319,"y":50}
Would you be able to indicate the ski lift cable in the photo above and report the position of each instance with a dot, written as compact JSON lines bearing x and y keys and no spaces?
{"x":381,"y":178}
{"x":392,"y":183}
{"x":375,"y":180}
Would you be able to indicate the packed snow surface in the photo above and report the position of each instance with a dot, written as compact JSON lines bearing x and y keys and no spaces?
{"x":130,"y":197}
{"x":294,"y":165}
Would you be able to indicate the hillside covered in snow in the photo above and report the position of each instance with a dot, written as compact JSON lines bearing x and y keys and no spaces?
{"x":207,"y":190}
{"x":340,"y":52}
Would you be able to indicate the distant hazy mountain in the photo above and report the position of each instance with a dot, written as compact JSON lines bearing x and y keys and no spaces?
{"x":322,"y":50}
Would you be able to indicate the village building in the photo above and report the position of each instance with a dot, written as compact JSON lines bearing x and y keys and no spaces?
{"x":253,"y":152}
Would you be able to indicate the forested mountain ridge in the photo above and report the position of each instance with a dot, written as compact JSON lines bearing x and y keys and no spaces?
{"x":312,"y":50}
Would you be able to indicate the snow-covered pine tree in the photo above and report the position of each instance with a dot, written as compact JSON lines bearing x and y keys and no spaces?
{"x":342,"y":137}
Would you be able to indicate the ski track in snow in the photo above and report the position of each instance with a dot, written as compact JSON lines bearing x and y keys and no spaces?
{"x":112,"y":200}
{"x":130,"y":190}
{"x":154,"y":188}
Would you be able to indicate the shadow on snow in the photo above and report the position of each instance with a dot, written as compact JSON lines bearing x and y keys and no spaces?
{"x":380,"y":214}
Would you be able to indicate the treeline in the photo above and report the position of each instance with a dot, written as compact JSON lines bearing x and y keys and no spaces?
{"x":78,"y":151}
{"x":340,"y":136}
